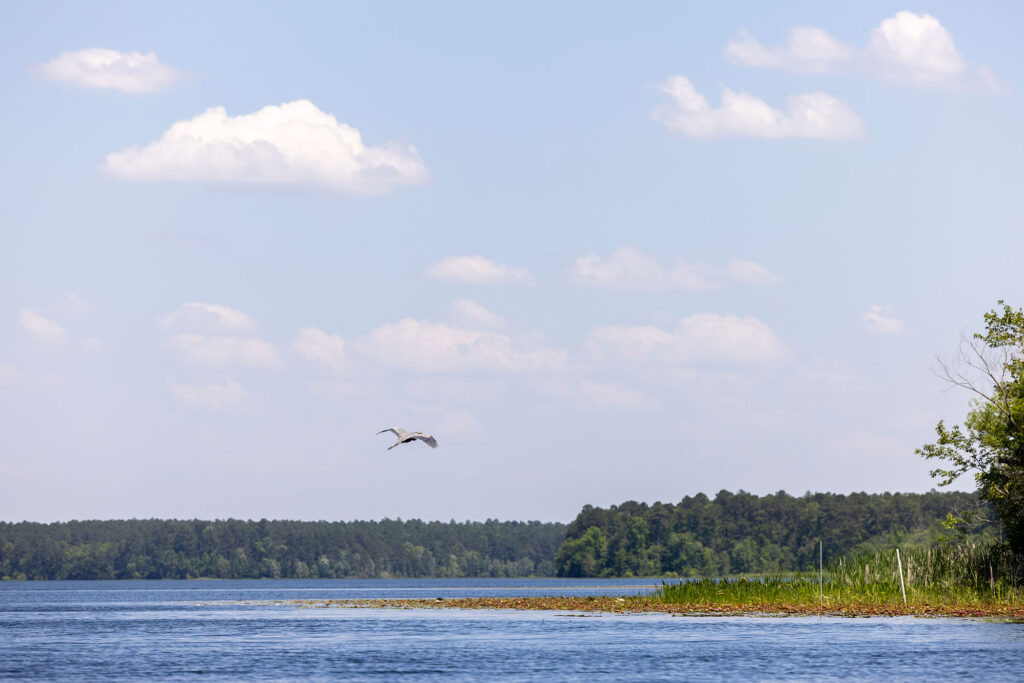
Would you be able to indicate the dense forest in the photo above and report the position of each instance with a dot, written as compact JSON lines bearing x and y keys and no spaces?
{"x":743,"y":533}
{"x":732,"y":533}
{"x":172,"y":549}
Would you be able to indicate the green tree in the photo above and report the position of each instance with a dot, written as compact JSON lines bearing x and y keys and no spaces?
{"x":991,"y":442}
{"x":584,"y":556}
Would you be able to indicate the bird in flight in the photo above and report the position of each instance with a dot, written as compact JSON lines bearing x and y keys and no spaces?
{"x":408,"y":437}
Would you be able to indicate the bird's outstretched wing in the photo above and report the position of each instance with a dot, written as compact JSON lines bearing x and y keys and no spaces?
{"x":426,"y":438}
{"x":397,"y":431}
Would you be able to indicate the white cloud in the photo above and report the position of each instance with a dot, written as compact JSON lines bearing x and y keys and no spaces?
{"x":477,"y":270}
{"x":435,"y":347}
{"x":906,"y":47}
{"x":39,"y":327}
{"x":629,"y":268}
{"x":877,"y":322}
{"x":130,"y":72}
{"x":811,"y":115}
{"x":291,"y":144}
{"x":808,"y":49}
{"x":917,"y":49}
{"x":224,"y":351}
{"x":472,"y":313}
{"x":700,"y":337}
{"x":196,"y":315}
{"x":213,"y":396}
{"x":750,"y":273}
{"x":316,"y":345}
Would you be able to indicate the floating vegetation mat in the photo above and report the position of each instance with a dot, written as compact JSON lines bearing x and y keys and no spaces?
{"x":650,"y":605}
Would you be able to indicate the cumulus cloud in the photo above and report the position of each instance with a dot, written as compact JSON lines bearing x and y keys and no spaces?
{"x":212,"y":396}
{"x":196,"y":315}
{"x":629,"y":268}
{"x":811,"y":115}
{"x":906,"y":47}
{"x":224,"y":351}
{"x":702,"y":337}
{"x":477,"y":270}
{"x":435,"y":347}
{"x":877,"y":321}
{"x":291,"y":144}
{"x":472,"y":313}
{"x":316,"y":345}
{"x":39,"y":327}
{"x":916,"y":48}
{"x":104,"y":69}
{"x":808,"y":49}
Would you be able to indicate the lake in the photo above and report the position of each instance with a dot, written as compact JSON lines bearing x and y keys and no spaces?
{"x":117,"y":630}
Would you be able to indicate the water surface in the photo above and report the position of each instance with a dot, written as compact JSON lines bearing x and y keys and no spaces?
{"x":199,"y":629}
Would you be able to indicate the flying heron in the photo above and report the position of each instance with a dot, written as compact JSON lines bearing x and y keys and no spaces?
{"x":408,"y":437}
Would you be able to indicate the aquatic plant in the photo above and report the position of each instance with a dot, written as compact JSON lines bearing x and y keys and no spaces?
{"x":969,"y":574}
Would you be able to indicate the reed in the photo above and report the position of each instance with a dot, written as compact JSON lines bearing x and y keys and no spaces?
{"x":962,"y":575}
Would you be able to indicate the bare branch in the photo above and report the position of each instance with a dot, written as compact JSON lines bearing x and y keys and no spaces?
{"x":974,"y":365}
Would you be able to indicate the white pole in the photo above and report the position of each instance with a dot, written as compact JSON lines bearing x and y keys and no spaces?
{"x":899,"y":566}
{"x":821,"y":573}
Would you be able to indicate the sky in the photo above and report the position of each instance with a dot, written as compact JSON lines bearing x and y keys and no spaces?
{"x":602,"y":253}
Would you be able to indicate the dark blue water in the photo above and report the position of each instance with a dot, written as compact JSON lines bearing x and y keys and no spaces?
{"x":198,"y":629}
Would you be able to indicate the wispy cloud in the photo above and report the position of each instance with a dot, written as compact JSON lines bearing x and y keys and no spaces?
{"x":292,"y":144}
{"x":751,"y":273}
{"x":615,"y":396}
{"x":430,"y":347}
{"x":808,"y":49}
{"x":209,"y":396}
{"x":590,"y":393}
{"x":472,"y":313}
{"x":477,"y":270}
{"x":628,"y":268}
{"x":40,"y":328}
{"x":811,"y":115}
{"x":878,"y":321}
{"x":316,"y":345}
{"x":198,"y":316}
{"x":226,"y":351}
{"x":703,"y":337}
{"x":104,"y":69}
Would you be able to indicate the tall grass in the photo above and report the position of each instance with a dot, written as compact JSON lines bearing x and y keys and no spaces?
{"x":944,"y":574}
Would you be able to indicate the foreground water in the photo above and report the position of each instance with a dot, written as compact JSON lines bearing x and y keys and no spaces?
{"x":202,"y":629}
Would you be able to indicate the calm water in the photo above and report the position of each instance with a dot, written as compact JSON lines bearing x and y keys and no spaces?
{"x":170,"y":629}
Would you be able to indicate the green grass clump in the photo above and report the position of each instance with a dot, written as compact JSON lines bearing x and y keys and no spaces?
{"x":964,"y":575}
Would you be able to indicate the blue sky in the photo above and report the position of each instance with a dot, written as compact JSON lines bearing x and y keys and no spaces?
{"x":601,"y":253}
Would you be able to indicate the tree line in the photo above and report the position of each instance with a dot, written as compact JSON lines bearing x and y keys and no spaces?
{"x":732,"y":533}
{"x":236,"y":549}
{"x":736,"y":533}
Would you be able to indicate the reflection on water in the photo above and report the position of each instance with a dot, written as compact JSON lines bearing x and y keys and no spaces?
{"x":132,"y":630}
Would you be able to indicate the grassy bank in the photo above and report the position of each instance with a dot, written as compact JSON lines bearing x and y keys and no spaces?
{"x":957,"y":576}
